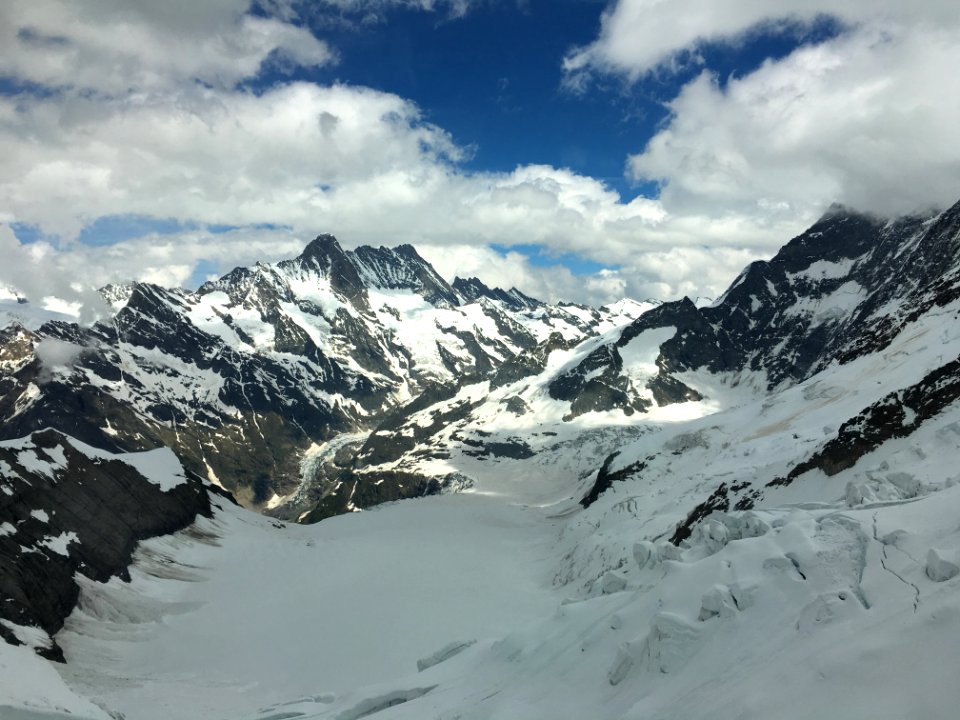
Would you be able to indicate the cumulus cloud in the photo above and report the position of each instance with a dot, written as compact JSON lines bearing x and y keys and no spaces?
{"x":870,"y":117}
{"x":870,"y":120}
{"x":121,"y":46}
{"x":352,"y":161}
{"x":42,"y":274}
{"x":220,"y":156}
{"x":638,"y":36}
{"x":553,"y":283}
{"x":55,"y":356}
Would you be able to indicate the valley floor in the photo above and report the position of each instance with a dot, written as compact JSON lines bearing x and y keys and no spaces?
{"x":834,"y":597}
{"x":252,"y":612}
{"x":827,"y":611}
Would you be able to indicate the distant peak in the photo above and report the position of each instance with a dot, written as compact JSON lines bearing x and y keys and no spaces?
{"x":469,"y":282}
{"x":323,"y":246}
{"x":472,"y":289}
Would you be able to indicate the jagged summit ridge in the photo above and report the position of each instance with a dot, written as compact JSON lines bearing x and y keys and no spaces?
{"x":243,"y":376}
{"x":471,"y":289}
{"x":775,"y":474}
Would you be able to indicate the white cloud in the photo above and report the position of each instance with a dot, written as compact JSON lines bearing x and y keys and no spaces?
{"x":55,"y":355}
{"x":870,"y":118}
{"x":638,"y":36}
{"x":352,"y":161}
{"x":864,"y":116}
{"x":213,"y":156}
{"x":511,"y":269}
{"x":47,"y":277}
{"x":118,"y":46}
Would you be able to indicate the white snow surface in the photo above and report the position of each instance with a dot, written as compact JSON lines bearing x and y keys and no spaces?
{"x":262,"y":613}
{"x":833,"y":597}
{"x":31,"y":689}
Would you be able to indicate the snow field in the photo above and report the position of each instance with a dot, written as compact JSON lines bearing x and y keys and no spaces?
{"x":261,"y":613}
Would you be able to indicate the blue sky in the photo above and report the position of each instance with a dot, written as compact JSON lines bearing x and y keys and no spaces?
{"x":584,"y":149}
{"x":493,"y":79}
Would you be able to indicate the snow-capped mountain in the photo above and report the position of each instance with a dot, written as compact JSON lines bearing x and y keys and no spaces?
{"x":743,"y":509}
{"x":243,"y":377}
{"x":72,"y":512}
{"x":844,"y":289}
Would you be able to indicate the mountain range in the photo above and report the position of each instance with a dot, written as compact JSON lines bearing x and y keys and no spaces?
{"x":744,"y":509}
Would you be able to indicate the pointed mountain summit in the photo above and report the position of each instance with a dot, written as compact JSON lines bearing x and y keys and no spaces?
{"x":472,"y":289}
{"x":402,"y":268}
{"x":325,"y":255}
{"x":242,"y":376}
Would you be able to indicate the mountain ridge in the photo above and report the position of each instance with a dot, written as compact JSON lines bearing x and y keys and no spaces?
{"x":264,"y":362}
{"x":693,"y":503}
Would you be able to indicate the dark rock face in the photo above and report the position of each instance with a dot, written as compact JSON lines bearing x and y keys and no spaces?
{"x":606,"y":477}
{"x":244,"y":375}
{"x":718,"y":501}
{"x":402,"y":268}
{"x":326,"y":256}
{"x":528,"y":363}
{"x":896,"y":415}
{"x":844,"y":288}
{"x":516,"y":405}
{"x":514,"y":448}
{"x":363,"y":490}
{"x":472,"y":289}
{"x":65,"y":511}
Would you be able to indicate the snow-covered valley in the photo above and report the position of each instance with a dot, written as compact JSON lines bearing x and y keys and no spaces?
{"x":819,"y":600}
{"x":748,"y":510}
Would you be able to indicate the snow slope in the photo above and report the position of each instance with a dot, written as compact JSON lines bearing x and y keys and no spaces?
{"x":770,"y":531}
{"x":243,"y":612}
{"x":816,"y":602}
{"x":834,"y":596}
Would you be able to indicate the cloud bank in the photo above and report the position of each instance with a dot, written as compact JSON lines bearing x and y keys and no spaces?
{"x":160,"y":123}
{"x":869,"y":118}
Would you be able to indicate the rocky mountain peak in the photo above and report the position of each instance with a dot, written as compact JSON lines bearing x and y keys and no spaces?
{"x":322,"y":246}
{"x":403,"y":268}
{"x":472,"y":289}
{"x":326,"y":256}
{"x":840,"y":234}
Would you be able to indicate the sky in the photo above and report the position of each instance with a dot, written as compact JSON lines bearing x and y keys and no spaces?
{"x":583,"y":150}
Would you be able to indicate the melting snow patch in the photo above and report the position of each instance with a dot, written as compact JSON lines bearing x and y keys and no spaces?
{"x":32,"y":463}
{"x":212,"y":476}
{"x":59,"y":544}
{"x":838,"y":304}
{"x":640,"y":354}
{"x":276,"y":501}
{"x":160,"y":466}
{"x":825,"y":270}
